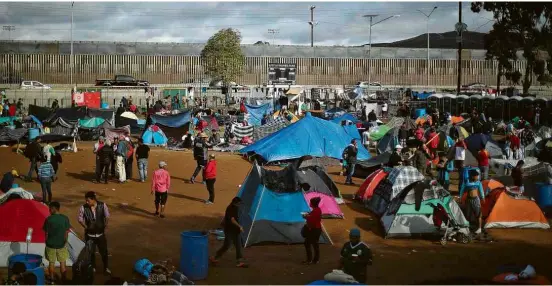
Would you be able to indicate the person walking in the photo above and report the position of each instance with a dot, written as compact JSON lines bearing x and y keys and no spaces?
{"x":210,"y":178}
{"x":350,"y":157}
{"x":142,"y":154}
{"x":94,"y":218}
{"x":33,"y":152}
{"x":105,"y":157}
{"x":200,"y":154}
{"x":121,"y":160}
{"x":312,"y":231}
{"x":56,"y":227}
{"x":129,"y":158}
{"x":483,"y":163}
{"x":232,"y":233}
{"x":46,"y":175}
{"x":160,"y":185}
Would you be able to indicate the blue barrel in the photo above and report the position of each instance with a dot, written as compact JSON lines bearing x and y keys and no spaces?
{"x":420,"y":112}
{"x":31,"y":261}
{"x":194,"y":254}
{"x":544,"y":195}
{"x":33,"y":133}
{"x":105,"y":105}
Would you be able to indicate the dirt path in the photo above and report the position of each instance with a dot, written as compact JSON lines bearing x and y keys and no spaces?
{"x":135,"y":233}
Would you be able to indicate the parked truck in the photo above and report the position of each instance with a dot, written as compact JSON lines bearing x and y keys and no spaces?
{"x":121,"y":80}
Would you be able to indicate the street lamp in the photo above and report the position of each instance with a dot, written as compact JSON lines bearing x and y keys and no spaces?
{"x":9,"y":28}
{"x":427,"y":32}
{"x":273,"y":32}
{"x":72,"y":56}
{"x":370,"y":43}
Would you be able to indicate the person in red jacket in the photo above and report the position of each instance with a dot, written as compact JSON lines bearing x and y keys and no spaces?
{"x":210,"y":178}
{"x":13,"y":109}
{"x":433,"y":142}
{"x":312,"y":231}
{"x":483,"y":162}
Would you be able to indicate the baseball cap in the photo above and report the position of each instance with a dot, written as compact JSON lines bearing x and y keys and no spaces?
{"x":162,"y":164}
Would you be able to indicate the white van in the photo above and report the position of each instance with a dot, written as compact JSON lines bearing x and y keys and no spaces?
{"x":28,"y":84}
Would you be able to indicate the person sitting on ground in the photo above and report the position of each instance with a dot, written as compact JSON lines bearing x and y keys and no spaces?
{"x":16,"y":277}
{"x":474,"y":199}
{"x":444,"y":167}
{"x":396,"y":159}
{"x":517,"y":175}
{"x":355,"y":257}
{"x":7,"y":181}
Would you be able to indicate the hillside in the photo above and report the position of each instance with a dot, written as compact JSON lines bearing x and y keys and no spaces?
{"x":447,"y":40}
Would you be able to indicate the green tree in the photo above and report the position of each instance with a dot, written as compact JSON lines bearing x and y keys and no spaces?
{"x":518,"y":26}
{"x":222,"y":56}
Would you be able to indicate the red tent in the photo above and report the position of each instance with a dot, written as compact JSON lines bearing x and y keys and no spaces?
{"x":367,"y":188}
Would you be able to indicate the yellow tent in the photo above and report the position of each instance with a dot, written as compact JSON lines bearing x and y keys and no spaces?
{"x":293,"y":117}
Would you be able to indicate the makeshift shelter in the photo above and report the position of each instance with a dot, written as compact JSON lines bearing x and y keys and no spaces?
{"x":256,"y":113}
{"x":111,"y":132}
{"x":238,"y":131}
{"x":273,"y":125}
{"x":271,"y":209}
{"x":60,"y":126}
{"x":24,"y":214}
{"x":8,"y":135}
{"x":154,"y":136}
{"x":287,"y":115}
{"x":344,"y":117}
{"x":366,"y":190}
{"x":411,"y":211}
{"x":310,"y":136}
{"x":396,"y":181}
{"x":503,"y":209}
{"x":173,"y":126}
{"x":42,"y":113}
{"x":106,"y":114}
{"x":70,"y":115}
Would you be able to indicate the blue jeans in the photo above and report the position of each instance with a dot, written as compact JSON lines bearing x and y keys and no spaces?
{"x":484,"y":172}
{"x":350,"y":172}
{"x":46,"y":186}
{"x":143,"y":169}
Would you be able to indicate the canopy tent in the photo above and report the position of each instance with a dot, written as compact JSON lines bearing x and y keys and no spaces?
{"x":366,"y":190}
{"x":410,"y":213}
{"x":153,"y":135}
{"x":398,"y":179}
{"x":507,"y":210}
{"x":255,"y":114}
{"x":271,"y":126}
{"x":24,"y":214}
{"x":310,"y":136}
{"x":269,"y":213}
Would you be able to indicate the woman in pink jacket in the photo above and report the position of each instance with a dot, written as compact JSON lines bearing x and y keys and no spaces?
{"x":160,"y":185}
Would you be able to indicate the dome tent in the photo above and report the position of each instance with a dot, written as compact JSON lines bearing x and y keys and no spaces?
{"x":154,"y":136}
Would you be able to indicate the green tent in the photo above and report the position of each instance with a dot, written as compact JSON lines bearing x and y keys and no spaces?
{"x":91,"y":122}
{"x":377,"y":135}
{"x":401,"y":218}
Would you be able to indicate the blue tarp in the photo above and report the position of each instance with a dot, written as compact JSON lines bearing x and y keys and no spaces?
{"x":257,"y":112}
{"x":309,"y":136}
{"x":352,"y":130}
{"x":154,"y":136}
{"x":346,"y":116}
{"x":334,"y":112}
{"x":174,"y":121}
{"x":279,"y":207}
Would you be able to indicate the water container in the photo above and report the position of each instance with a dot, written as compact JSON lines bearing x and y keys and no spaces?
{"x":544,"y":195}
{"x":31,"y":261}
{"x":420,"y":112}
{"x":194,"y":254}
{"x":33,"y":133}
{"x":40,"y":275}
{"x":105,"y":105}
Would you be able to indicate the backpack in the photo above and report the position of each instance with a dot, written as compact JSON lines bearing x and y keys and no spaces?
{"x":130,"y":149}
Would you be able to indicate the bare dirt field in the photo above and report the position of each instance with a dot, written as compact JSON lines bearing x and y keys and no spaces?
{"x":135,"y":233}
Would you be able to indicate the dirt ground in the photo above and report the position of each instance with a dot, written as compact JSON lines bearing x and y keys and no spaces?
{"x":135,"y":233}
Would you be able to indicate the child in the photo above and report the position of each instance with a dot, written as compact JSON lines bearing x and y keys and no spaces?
{"x":16,"y":277}
{"x":517,"y":175}
{"x":210,"y":178}
{"x":46,"y":175}
{"x":160,"y":184}
{"x":474,"y":197}
{"x":444,"y":167}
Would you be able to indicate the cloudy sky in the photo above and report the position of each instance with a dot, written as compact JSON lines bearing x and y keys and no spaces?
{"x":338,"y":23}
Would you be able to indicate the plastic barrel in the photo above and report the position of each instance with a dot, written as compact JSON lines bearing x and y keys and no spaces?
{"x":40,"y":275}
{"x":420,"y":112}
{"x":31,"y":261}
{"x":33,"y":133}
{"x":105,"y":105}
{"x":544,"y":195}
{"x":194,"y":254}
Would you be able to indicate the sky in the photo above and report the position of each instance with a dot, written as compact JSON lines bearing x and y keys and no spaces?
{"x":337,"y":23}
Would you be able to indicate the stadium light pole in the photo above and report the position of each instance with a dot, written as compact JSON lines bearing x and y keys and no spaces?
{"x":9,"y":28}
{"x":427,"y":32}
{"x":72,"y":55}
{"x":372,"y":16}
{"x":273,"y":32}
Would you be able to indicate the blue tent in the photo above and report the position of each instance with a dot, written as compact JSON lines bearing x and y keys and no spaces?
{"x":175,"y":121}
{"x":346,"y":116}
{"x":352,"y":130}
{"x":271,"y":208}
{"x":479,"y":140}
{"x":309,"y":136}
{"x":257,"y":112}
{"x":154,"y":136}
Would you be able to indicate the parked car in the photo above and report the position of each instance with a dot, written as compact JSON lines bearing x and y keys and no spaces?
{"x":219,"y":84}
{"x":9,"y":78}
{"x":31,"y":84}
{"x":121,"y":80}
{"x":372,"y":86}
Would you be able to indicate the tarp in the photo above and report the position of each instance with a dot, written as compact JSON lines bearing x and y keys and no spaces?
{"x":42,"y":113}
{"x":376,"y":161}
{"x":273,"y":125}
{"x":346,"y":116}
{"x":154,"y":136}
{"x":256,"y":113}
{"x":379,"y":132}
{"x":60,"y":126}
{"x":271,"y":214}
{"x":309,"y":136}
{"x":107,"y":114}
{"x":238,"y":131}
{"x":94,"y":122}
{"x":19,"y":193}
{"x":352,"y":130}
{"x":115,"y":132}
{"x":334,"y":112}
{"x":12,"y":135}
{"x":71,"y":114}
{"x":9,"y":120}
{"x":174,"y":121}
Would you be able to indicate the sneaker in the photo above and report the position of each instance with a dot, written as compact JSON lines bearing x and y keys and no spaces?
{"x":107,"y":271}
{"x":208,"y":202}
{"x":192,"y":181}
{"x":478,"y":231}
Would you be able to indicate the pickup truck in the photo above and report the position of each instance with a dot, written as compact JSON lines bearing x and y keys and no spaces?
{"x":121,"y":80}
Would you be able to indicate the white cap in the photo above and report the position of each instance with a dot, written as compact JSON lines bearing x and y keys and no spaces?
{"x":127,"y":139}
{"x":398,"y":147}
{"x":162,"y":164}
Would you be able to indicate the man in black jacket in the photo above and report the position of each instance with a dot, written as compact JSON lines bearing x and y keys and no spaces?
{"x":94,"y":217}
{"x":200,"y":154}
{"x":350,"y":157}
{"x":33,"y":152}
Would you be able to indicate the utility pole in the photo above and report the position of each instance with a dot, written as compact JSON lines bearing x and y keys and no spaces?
{"x":72,"y":62}
{"x":273,"y":32}
{"x":9,"y":28}
{"x":427,"y":31}
{"x":459,"y":28}
{"x":370,"y":44}
{"x":312,"y":24}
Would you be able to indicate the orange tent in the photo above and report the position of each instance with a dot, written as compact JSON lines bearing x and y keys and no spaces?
{"x":491,"y":185}
{"x":508,"y":211}
{"x":367,"y":188}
